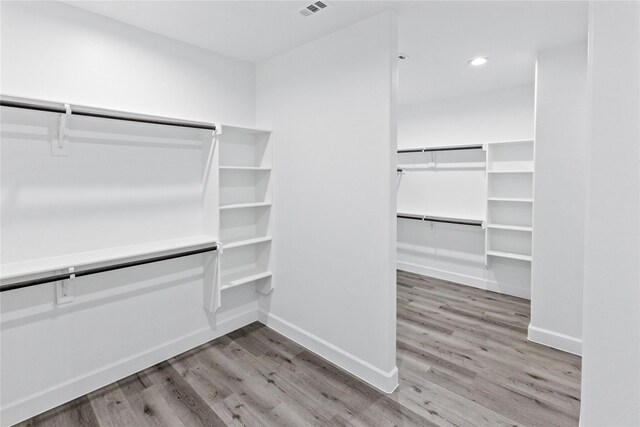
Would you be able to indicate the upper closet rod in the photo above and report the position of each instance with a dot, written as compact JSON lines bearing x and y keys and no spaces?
{"x":445,"y":148}
{"x":103,"y":114}
{"x":72,"y":274}
{"x":441,"y":219}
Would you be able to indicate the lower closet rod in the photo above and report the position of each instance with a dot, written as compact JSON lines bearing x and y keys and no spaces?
{"x":90,"y":271}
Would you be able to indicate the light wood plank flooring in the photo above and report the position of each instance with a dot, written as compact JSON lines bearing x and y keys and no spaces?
{"x":463,"y":358}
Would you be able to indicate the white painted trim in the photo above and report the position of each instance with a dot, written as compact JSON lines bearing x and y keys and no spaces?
{"x":463,"y":279}
{"x":556,"y":340}
{"x":44,"y":400}
{"x":386,"y":382}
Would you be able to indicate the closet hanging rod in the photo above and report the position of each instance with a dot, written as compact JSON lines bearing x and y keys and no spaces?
{"x":96,"y":270}
{"x":445,"y":148}
{"x":102,"y":114}
{"x":472,"y":222}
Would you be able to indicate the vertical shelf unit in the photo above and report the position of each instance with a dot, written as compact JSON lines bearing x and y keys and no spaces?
{"x":246,"y":220}
{"x":509,"y":207}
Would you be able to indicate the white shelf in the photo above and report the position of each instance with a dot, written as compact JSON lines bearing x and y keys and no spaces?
{"x":509,"y":255}
{"x":120,"y":253}
{"x":510,"y":227}
{"x":237,"y":278}
{"x":442,"y":167}
{"x":245,"y":205}
{"x":522,"y":141}
{"x":243,"y":129}
{"x":511,"y":171}
{"x":245,"y":168}
{"x":510,"y":199}
{"x":247,"y":242}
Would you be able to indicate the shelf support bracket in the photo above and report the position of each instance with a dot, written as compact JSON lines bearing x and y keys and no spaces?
{"x":65,"y":289}
{"x":60,"y":146}
{"x":212,"y":281}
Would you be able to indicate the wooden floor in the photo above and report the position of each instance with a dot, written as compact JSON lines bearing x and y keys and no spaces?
{"x":463,"y":358}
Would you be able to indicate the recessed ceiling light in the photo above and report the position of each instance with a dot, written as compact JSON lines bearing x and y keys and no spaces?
{"x":478,"y":61}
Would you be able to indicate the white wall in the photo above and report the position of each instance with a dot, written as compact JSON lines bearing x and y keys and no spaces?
{"x":114,"y":188}
{"x":331,"y":103}
{"x":559,"y":193}
{"x":61,"y":53}
{"x":611,"y":348}
{"x":501,"y":115}
{"x":456,"y":252}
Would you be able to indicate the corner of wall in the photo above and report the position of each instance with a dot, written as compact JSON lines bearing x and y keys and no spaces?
{"x":555,"y":340}
{"x":386,"y":382}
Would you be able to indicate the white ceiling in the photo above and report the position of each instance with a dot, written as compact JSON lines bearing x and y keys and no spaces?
{"x":248,"y":30}
{"x":438,"y":36}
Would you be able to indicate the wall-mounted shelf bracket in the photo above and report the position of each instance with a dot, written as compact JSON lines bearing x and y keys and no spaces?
{"x":65,"y":289}
{"x":60,"y":146}
{"x":266,"y":287}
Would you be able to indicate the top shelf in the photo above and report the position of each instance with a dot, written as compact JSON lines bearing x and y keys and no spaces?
{"x":84,"y":259}
{"x":461,"y":147}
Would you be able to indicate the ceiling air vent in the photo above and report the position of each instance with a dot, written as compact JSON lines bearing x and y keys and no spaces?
{"x":314,"y":8}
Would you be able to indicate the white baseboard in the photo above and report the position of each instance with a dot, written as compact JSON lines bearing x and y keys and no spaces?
{"x":387,"y":382}
{"x":27,"y":407}
{"x":555,"y":340}
{"x":42,"y":401}
{"x":463,"y":279}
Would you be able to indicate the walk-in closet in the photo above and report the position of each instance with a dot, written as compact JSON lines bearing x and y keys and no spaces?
{"x":319,"y":213}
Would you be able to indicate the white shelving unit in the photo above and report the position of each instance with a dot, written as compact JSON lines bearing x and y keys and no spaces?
{"x":509,"y":207}
{"x":169,"y":157}
{"x":246,"y":221}
{"x":235,"y":211}
{"x":423,"y":172}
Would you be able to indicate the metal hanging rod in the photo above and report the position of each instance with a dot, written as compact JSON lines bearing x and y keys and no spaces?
{"x":444,"y":148}
{"x":90,"y":271}
{"x":472,"y":222}
{"x":103,"y":114}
